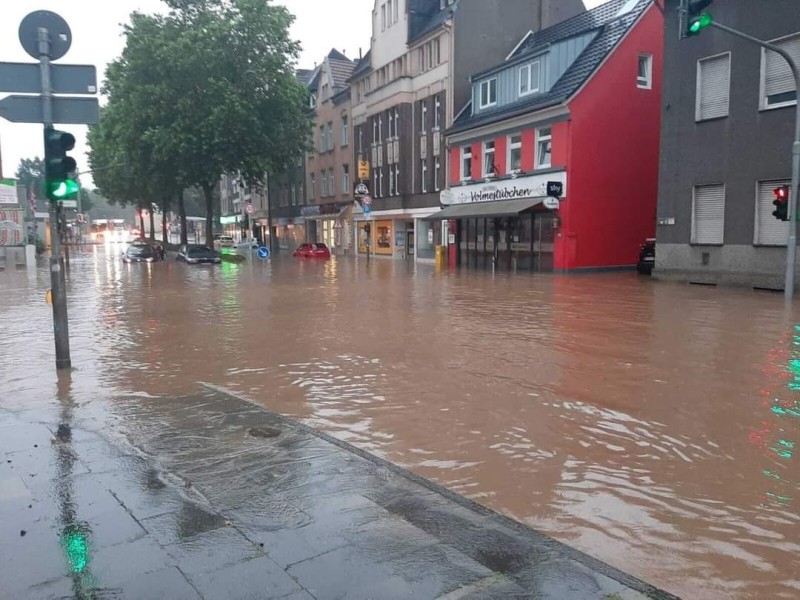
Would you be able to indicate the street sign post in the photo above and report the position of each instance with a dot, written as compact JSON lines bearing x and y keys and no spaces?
{"x":263,"y":253}
{"x":25,"y":78}
{"x":46,"y":37}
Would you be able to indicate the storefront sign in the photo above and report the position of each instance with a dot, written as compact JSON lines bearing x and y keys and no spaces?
{"x":310,"y":211}
{"x":551,"y":203}
{"x":533,"y":186}
{"x":361,"y":189}
{"x":363,"y":170}
{"x":229,"y":220}
{"x":8,"y":191}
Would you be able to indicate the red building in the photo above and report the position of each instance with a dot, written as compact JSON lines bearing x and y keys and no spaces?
{"x":578,"y":103}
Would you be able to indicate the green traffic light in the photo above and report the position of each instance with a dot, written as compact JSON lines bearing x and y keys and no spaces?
{"x":64,"y":189}
{"x":700,"y":23}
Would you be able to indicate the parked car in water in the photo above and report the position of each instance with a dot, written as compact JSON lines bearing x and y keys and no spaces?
{"x":158,"y":246}
{"x":223,"y":241}
{"x":317,"y":250}
{"x":195,"y":254}
{"x":141,"y":253}
{"x":647,"y":257}
{"x":248,"y":244}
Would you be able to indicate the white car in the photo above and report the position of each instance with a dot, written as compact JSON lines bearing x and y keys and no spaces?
{"x":248,"y":244}
{"x":225,"y":241}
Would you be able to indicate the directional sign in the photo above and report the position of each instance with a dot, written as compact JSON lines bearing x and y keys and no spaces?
{"x":57,"y":29}
{"x":25,"y":78}
{"x":263,"y":253}
{"x":66,"y":111}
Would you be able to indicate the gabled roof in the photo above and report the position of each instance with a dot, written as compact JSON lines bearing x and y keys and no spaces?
{"x":304,"y":76}
{"x":362,"y":66}
{"x":424,"y":16}
{"x":338,"y":68}
{"x":611,"y":21}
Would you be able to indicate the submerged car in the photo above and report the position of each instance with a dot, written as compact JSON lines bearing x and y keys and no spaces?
{"x":196,"y":254}
{"x":141,"y":253}
{"x":647,"y":257}
{"x":312,"y":251}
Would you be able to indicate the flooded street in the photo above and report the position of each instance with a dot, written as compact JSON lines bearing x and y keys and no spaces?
{"x":653,"y":426}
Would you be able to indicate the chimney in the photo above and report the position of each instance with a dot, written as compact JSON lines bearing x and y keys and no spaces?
{"x":359,"y":54}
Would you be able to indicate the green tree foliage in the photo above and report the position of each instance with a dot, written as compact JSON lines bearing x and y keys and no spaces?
{"x":30,"y":173}
{"x":207,"y":89}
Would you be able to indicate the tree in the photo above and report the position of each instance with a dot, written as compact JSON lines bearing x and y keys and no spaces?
{"x":30,"y":173}
{"x":207,"y":89}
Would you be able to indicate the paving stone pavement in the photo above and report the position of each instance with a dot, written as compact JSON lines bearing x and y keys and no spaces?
{"x":207,"y":496}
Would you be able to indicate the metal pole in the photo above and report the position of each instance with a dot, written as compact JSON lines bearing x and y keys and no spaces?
{"x":794,"y":203}
{"x":58,"y":280}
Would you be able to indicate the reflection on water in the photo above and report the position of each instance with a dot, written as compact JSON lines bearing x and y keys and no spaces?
{"x":653,"y":426}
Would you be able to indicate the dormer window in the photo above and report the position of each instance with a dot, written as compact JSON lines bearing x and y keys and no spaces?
{"x":529,"y":76}
{"x":488,"y":93}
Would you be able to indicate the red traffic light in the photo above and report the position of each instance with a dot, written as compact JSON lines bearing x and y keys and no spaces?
{"x":781,"y":193}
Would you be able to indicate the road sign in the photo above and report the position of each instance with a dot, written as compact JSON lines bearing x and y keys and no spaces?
{"x":26,"y":78}
{"x":552,"y":203}
{"x":57,"y":28}
{"x":69,"y":204}
{"x":363,"y":169}
{"x":263,"y":253}
{"x":362,"y":189}
{"x":555,"y":189}
{"x":66,"y":111}
{"x":249,"y":208}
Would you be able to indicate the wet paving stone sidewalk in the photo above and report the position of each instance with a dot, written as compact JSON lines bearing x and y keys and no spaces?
{"x":207,"y":496}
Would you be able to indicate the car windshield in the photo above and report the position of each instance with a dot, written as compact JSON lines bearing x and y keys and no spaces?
{"x":201,"y":252}
{"x":320,"y":246}
{"x":140,"y":251}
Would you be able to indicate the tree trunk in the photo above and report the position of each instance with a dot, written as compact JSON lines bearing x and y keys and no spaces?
{"x":152,"y":224}
{"x":208,"y":192}
{"x":164,"y":224}
{"x":182,"y":216}
{"x":141,"y":224}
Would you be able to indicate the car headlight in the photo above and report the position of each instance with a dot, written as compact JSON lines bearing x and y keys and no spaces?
{"x":191,"y":260}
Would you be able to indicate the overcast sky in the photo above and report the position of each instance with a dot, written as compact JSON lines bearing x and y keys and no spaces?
{"x":96,"y":30}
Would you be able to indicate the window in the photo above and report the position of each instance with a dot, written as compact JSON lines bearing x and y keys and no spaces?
{"x":708,"y":214}
{"x":391,"y":179}
{"x":345,"y":179}
{"x":323,"y":184}
{"x":383,"y":17}
{"x":294,"y":196}
{"x":777,"y":83}
{"x":437,"y":111}
{"x":514,"y":162}
{"x":396,"y":123}
{"x":488,"y":159}
{"x":322,"y":138}
{"x":345,"y":131}
{"x":644,"y":77}
{"x":466,"y":163}
{"x":544,"y":148}
{"x":423,"y":111}
{"x":769,"y":230}
{"x":397,"y":179}
{"x":380,"y":183}
{"x":312,"y":189}
{"x":326,"y":91}
{"x":380,"y":128}
{"x":330,"y":135}
{"x":488,"y":93}
{"x":389,"y":13}
{"x":396,"y":11}
{"x":375,"y":182}
{"x":713,"y":87}
{"x":424,"y":176}
{"x":331,"y":182}
{"x":391,"y":123}
{"x":437,"y":173}
{"x":529,"y":78}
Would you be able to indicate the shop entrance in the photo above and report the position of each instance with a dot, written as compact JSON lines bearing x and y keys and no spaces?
{"x":507,"y":244}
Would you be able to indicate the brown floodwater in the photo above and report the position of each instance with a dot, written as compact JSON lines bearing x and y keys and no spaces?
{"x":654,"y":426}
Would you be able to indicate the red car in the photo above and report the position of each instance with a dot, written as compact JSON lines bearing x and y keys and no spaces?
{"x":312,"y":251}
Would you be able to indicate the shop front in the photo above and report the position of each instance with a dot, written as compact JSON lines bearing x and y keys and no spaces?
{"x":501,"y":226}
{"x":394,"y":233}
{"x":289,"y":233}
{"x":330,"y":224}
{"x":231,"y":226}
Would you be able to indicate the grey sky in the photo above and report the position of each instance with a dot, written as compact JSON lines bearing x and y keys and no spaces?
{"x":96,"y":30}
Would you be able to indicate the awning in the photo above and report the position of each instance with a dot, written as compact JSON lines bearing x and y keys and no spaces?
{"x":501,"y":208}
{"x":338,"y":215}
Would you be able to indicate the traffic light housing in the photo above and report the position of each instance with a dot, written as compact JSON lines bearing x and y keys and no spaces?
{"x":59,"y":167}
{"x":781,"y":203}
{"x":697,"y":18}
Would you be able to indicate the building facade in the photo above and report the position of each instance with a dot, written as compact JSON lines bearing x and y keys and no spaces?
{"x":574,"y":110}
{"x":728,"y":122}
{"x":236,"y":219}
{"x":329,"y":165}
{"x":404,"y":93}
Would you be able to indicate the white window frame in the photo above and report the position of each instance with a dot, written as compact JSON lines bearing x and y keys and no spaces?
{"x":512,"y":145}
{"x":313,"y":188}
{"x":345,"y":131}
{"x":437,"y":173}
{"x":694,"y":241}
{"x":698,"y":118}
{"x":423,"y":176}
{"x":345,"y":179}
{"x":466,"y":153}
{"x":488,"y":86}
{"x":540,"y":138}
{"x":396,"y":11}
{"x":396,"y":122}
{"x":397,"y":179}
{"x":391,"y":179}
{"x":423,"y":110}
{"x":487,"y":152}
{"x":526,"y":78}
{"x":383,"y":17}
{"x":437,"y":114}
{"x":646,"y":82}
{"x":762,"y":93}
{"x":771,"y":184}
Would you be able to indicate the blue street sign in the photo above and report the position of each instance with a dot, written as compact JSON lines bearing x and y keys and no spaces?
{"x":263,"y":253}
{"x":367,"y":210}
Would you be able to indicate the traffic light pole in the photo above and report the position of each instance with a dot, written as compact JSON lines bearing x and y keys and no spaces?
{"x":58,"y":280}
{"x":794,"y":201}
